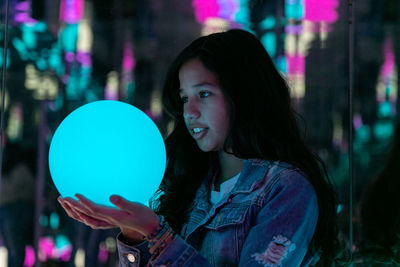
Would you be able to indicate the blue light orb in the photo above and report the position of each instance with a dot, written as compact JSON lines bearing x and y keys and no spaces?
{"x":105,"y":148}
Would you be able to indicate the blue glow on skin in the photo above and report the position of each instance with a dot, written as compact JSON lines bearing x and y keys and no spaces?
{"x":104,"y":148}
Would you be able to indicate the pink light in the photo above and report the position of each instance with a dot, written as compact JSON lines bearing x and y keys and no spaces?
{"x":205,"y":9}
{"x":71,"y":11}
{"x":22,"y":6}
{"x":24,"y":17}
{"x":357,"y":121}
{"x":296,"y":64}
{"x":84,"y":58}
{"x":103,"y":253}
{"x":228,"y":9}
{"x":321,"y":10}
{"x":65,"y":253}
{"x":29,"y":256}
{"x":46,"y":248}
{"x":128,"y":61}
{"x":388,"y":65}
{"x":69,"y":56}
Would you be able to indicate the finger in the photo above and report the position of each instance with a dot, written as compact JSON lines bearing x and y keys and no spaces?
{"x":93,"y":207}
{"x":121,"y":202}
{"x":68,"y":209}
{"x":96,"y":224}
{"x":99,"y":210}
{"x":76,"y":206}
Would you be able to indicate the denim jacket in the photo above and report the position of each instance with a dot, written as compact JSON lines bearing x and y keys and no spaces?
{"x":268,"y":219}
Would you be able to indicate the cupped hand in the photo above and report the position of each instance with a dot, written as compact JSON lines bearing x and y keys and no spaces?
{"x":134,"y":219}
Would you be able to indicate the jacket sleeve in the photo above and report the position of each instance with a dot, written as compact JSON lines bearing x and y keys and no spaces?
{"x":178,"y":253}
{"x":283,"y":229}
{"x":284,"y":226}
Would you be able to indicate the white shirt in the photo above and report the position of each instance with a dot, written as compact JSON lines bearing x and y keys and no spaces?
{"x":224,"y":189}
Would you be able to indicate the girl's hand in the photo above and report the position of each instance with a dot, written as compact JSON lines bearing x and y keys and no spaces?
{"x":134,"y":219}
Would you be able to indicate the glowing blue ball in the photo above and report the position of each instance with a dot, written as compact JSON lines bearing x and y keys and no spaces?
{"x":104,"y":148}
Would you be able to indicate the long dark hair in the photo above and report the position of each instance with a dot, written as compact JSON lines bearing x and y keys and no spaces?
{"x":263,"y":125}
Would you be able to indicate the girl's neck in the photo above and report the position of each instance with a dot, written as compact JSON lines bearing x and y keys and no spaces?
{"x":230,"y":166}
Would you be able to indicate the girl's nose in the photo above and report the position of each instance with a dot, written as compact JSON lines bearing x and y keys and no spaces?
{"x":191,"y":111}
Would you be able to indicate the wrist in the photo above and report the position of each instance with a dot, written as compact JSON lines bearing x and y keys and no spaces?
{"x":160,"y":238}
{"x":131,"y":236}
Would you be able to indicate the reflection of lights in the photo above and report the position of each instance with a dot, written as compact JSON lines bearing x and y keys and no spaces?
{"x":111,"y":244}
{"x":212,"y":25}
{"x":103,"y":253}
{"x":294,"y":9}
{"x":357,"y":121}
{"x":220,"y":15}
{"x":205,"y":9}
{"x":45,"y":86}
{"x":383,"y":130}
{"x":59,"y":249}
{"x":297,"y":85}
{"x":29,"y":256}
{"x":15,"y":122}
{"x":63,"y":248}
{"x":6,"y":101}
{"x":71,"y":11}
{"x":3,"y":256}
{"x":155,"y":104}
{"x":111,"y":90}
{"x":48,"y":88}
{"x":22,"y":12}
{"x":170,"y":127}
{"x":54,"y":220}
{"x":79,"y":258}
{"x":337,"y":138}
{"x":85,"y":37}
{"x":268,"y":23}
{"x":228,"y":9}
{"x":128,"y":61}
{"x":387,"y":88}
{"x":242,"y":16}
{"x":321,"y":10}
{"x":290,"y":44}
{"x":269,"y":42}
{"x":296,"y":64}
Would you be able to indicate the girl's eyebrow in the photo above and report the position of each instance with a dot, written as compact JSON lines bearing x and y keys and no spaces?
{"x":198,"y":85}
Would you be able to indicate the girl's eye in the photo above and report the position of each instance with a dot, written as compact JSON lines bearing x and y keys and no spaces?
{"x":204,"y":94}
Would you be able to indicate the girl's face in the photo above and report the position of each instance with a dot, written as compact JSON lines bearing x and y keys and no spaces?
{"x":205,"y":108}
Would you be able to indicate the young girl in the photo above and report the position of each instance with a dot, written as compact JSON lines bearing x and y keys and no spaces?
{"x":241,"y":188}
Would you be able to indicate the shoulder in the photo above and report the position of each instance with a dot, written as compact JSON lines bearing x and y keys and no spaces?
{"x":283,"y":178}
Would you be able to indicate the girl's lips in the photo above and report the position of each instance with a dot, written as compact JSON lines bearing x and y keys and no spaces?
{"x":200,"y":134}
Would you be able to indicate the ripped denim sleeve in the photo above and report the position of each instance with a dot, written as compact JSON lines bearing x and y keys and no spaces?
{"x":284,"y":226}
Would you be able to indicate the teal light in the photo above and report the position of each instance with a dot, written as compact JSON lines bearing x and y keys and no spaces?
{"x":21,"y":48}
{"x":281,"y":64}
{"x":104,"y":148}
{"x":54,"y":220}
{"x":61,"y":241}
{"x":363,"y":133}
{"x":269,"y":42}
{"x":69,"y":37}
{"x":41,"y":63}
{"x":43,"y":220}
{"x":2,"y":58}
{"x":385,"y":109}
{"x":29,"y":36}
{"x":294,"y":10}
{"x":383,"y":129}
{"x":268,"y":23}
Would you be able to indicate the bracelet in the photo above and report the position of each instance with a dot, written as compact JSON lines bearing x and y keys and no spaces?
{"x":160,"y":238}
